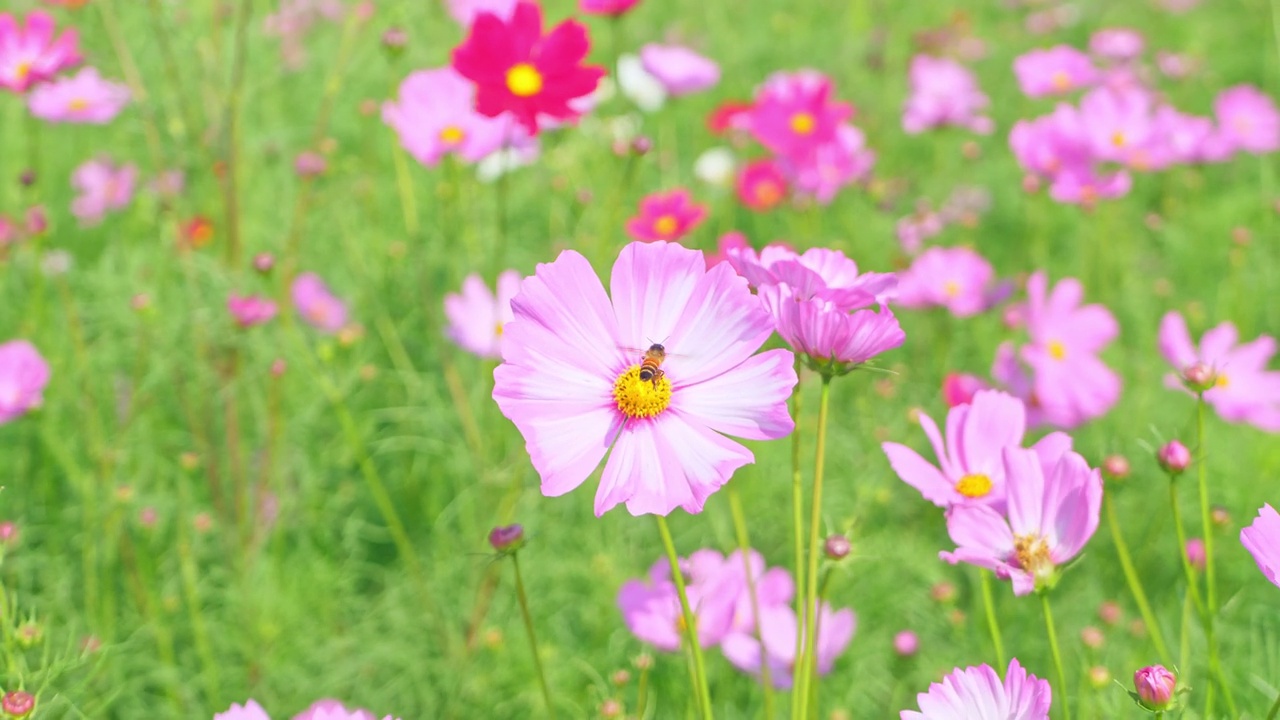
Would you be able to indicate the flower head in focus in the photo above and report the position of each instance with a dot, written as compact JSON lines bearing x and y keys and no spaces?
{"x":977,"y":693}
{"x":477,"y":317}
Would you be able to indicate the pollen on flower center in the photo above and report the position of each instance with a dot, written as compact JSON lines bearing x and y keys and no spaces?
{"x":1057,"y":350}
{"x":1222,"y":380}
{"x":498,"y":330}
{"x":638,"y":398}
{"x":23,"y":70}
{"x":78,"y":105}
{"x":768,"y":193}
{"x":1061,"y":81}
{"x":1031,"y":553}
{"x":1118,"y":139}
{"x":452,"y":135}
{"x":665,"y":225}
{"x":951,"y":288}
{"x":802,"y":123}
{"x":974,"y":486}
{"x":524,"y":80}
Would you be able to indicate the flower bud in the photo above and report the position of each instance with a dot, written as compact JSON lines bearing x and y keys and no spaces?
{"x":1092,"y":637}
{"x":507,"y":539}
{"x":906,"y":643}
{"x":1195,"y":553}
{"x":641,"y":145}
{"x":264,"y":262}
{"x":309,"y":164}
{"x":643,"y":661}
{"x":1115,"y":467}
{"x":620,"y":677}
{"x":27,"y":178}
{"x":1199,"y":377}
{"x":1220,"y":516}
{"x":394,"y":40}
{"x":30,"y":634}
{"x":37,"y":220}
{"x":837,"y":547}
{"x":1099,"y":677}
{"x":278,"y":367}
{"x":943,"y":592}
{"x":1155,"y":686}
{"x":18,"y":703}
{"x":8,"y":533}
{"x":610,"y":708}
{"x":1109,"y":612}
{"x":1174,"y":457}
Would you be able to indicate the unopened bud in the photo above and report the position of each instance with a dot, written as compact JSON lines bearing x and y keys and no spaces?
{"x":8,"y":533}
{"x":278,"y":366}
{"x":203,"y":522}
{"x":620,"y":677}
{"x":394,"y":41}
{"x":18,"y":703}
{"x":1220,"y":516}
{"x":1155,"y":687}
{"x":643,"y":661}
{"x":1115,"y":467}
{"x":837,"y":547}
{"x":943,"y":592}
{"x":1199,"y":377}
{"x":30,"y":634}
{"x":507,"y":539}
{"x":27,"y":178}
{"x":906,"y":643}
{"x":610,"y":708}
{"x":189,"y":461}
{"x":309,"y":164}
{"x":1109,"y":612}
{"x":641,"y":145}
{"x":264,"y":262}
{"x":1092,"y":637}
{"x":1174,"y":457}
{"x":37,"y":220}
{"x":1195,"y":553}
{"x":1099,"y":677}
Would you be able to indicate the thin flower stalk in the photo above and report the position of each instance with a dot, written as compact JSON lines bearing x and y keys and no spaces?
{"x":993,"y":625}
{"x":1135,"y":583}
{"x":744,"y":544}
{"x":1057,"y":654}
{"x":699,"y":674}
{"x":533,"y":638}
{"x":809,"y":650}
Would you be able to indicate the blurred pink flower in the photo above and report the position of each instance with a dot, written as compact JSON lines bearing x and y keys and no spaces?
{"x":570,"y":377}
{"x":23,"y":376}
{"x":651,"y":607}
{"x":612,"y":8}
{"x":81,"y":98}
{"x":477,"y":318}
{"x":434,"y":116}
{"x":943,"y":92}
{"x":10,"y":231}
{"x":976,"y":693}
{"x":680,"y":70}
{"x":329,"y":709}
{"x":1195,"y":553}
{"x":29,"y":54}
{"x":317,"y":305}
{"x":761,"y":185}
{"x":465,"y":11}
{"x":250,"y":310}
{"x":958,"y":279}
{"x":293,"y":20}
{"x":1053,"y":143}
{"x":1262,"y":539}
{"x":830,"y":166}
{"x":1120,"y":44}
{"x":1244,"y":390}
{"x":666,"y":216}
{"x":960,"y":388}
{"x":818,"y":272}
{"x":777,"y":643}
{"x":1185,"y":138}
{"x":1084,"y":186}
{"x":793,"y":114}
{"x":1055,"y":71}
{"x":828,"y":335}
{"x":249,"y":711}
{"x":1053,"y":510}
{"x":773,"y":587}
{"x":103,"y":187}
{"x":906,"y":643}
{"x":1118,"y":123}
{"x":732,"y":240}
{"x":917,"y":227}
{"x":970,"y":465}
{"x":1248,"y":119}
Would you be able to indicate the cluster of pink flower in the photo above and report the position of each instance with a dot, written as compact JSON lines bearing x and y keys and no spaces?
{"x":327,"y":709}
{"x":1085,"y":152}
{"x":719,"y":590}
{"x":31,"y":57}
{"x":944,"y":93}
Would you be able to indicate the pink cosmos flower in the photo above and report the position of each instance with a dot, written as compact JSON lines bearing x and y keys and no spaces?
{"x":827,"y":334}
{"x":329,"y":709}
{"x":611,"y":8}
{"x":794,"y":115}
{"x":29,"y":54}
{"x":943,"y":92}
{"x":652,"y":609}
{"x":970,"y":463}
{"x":571,"y":377}
{"x":1053,"y":510}
{"x":666,"y":216}
{"x":1187,"y":138}
{"x":103,"y":186}
{"x":317,"y":305}
{"x":81,"y":98}
{"x":817,"y":273}
{"x":1051,"y":144}
{"x":1244,"y":390}
{"x":251,"y":710}
{"x":831,"y":166}
{"x":1060,"y":69}
{"x":976,"y":693}
{"x":1248,"y":119}
{"x":778,"y":628}
{"x":761,"y":185}
{"x":960,"y":388}
{"x":773,"y":586}
{"x":680,"y":70}
{"x":732,"y":240}
{"x":1084,"y":186}
{"x":250,"y":310}
{"x":1262,"y":540}
{"x":917,"y":227}
{"x":1118,"y":123}
{"x":477,"y":318}
{"x":434,"y":116}
{"x":958,"y":279}
{"x":23,"y":376}
{"x":466,"y":11}
{"x":1120,"y":44}
{"x":518,"y":70}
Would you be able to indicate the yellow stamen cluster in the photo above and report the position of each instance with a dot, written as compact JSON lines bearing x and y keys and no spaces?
{"x":951,"y":288}
{"x":524,"y":80}
{"x":452,"y":135}
{"x":802,"y":123}
{"x":665,"y":225}
{"x":1057,"y":350}
{"x":638,"y":398}
{"x":974,"y":486}
{"x":1032,"y":554}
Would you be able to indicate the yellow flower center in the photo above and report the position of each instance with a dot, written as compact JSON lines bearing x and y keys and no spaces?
{"x":951,"y":288}
{"x":802,"y":123}
{"x":638,"y":398}
{"x":524,"y":80}
{"x":974,"y":486}
{"x":1032,"y":555}
{"x":1057,"y":350}
{"x":78,"y":105}
{"x":665,"y":225}
{"x":498,"y":330}
{"x":1222,"y":381}
{"x":452,"y":135}
{"x":23,"y":70}
{"x":682,"y":628}
{"x":768,"y":193}
{"x":1118,"y":139}
{"x":1061,"y":81}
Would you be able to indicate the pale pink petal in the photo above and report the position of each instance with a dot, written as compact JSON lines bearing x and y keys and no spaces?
{"x":748,"y":401}
{"x":1175,"y":341}
{"x":920,"y":474}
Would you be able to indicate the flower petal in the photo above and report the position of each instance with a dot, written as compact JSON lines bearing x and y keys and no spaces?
{"x":749,"y":401}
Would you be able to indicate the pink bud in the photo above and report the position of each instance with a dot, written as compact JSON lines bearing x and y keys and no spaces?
{"x":943,"y":592}
{"x":1092,"y":637}
{"x":1115,"y":467}
{"x":263,"y":262}
{"x":906,"y":643}
{"x":508,"y":538}
{"x":18,"y":703}
{"x":837,"y":547}
{"x":1109,"y":612}
{"x":1199,"y":377}
{"x":1155,"y":686}
{"x":8,"y":533}
{"x":1174,"y":457}
{"x":1195,"y":553}
{"x":278,"y":367}
{"x":309,"y":164}
{"x":147,"y":517}
{"x":37,"y":220}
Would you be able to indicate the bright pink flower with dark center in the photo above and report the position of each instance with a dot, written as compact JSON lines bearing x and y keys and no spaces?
{"x":680,"y":70}
{"x":666,"y":216}
{"x":610,"y":8}
{"x":977,"y":693}
{"x":1242,"y":389}
{"x":434,"y":115}
{"x":82,"y":98}
{"x":1248,"y":119}
{"x":23,"y":376}
{"x":1262,"y":540}
{"x":794,"y":115}
{"x":250,"y":310}
{"x":761,"y":185}
{"x":958,"y":279}
{"x":29,"y":54}
{"x":1056,"y":71}
{"x":519,"y":70}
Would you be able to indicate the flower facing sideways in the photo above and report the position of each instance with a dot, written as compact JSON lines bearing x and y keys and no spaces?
{"x":1262,"y":540}
{"x":976,"y":693}
{"x":572,"y":379}
{"x":477,"y":318}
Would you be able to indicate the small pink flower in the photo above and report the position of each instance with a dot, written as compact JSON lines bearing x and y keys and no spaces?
{"x":250,"y":310}
{"x":1195,"y":553}
{"x":906,"y":643}
{"x":477,"y":318}
{"x":1262,"y":540}
{"x":958,"y":279}
{"x":680,"y":70}
{"x":794,"y":115}
{"x":103,"y":187}
{"x":828,"y":167}
{"x":776,"y":645}
{"x":81,"y":98}
{"x":1248,"y":119}
{"x":611,"y":8}
{"x":23,"y":376}
{"x":730,"y":241}
{"x":1121,"y":44}
{"x":960,"y":388}
{"x":249,"y":711}
{"x":30,"y":54}
{"x":666,"y":216}
{"x":829,"y":336}
{"x":761,"y":185}
{"x":1243,"y":390}
{"x":317,"y":305}
{"x":975,"y":693}
{"x":943,"y":92}
{"x":434,"y":116}
{"x":1058,"y":70}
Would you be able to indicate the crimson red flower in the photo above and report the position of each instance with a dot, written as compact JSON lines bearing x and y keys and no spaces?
{"x":519,"y":70}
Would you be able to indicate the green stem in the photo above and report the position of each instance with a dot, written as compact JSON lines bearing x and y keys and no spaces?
{"x":744,"y":546}
{"x":1275,"y":709}
{"x":1192,"y":586}
{"x":1135,"y":583}
{"x":815,"y":519}
{"x":533,"y":639}
{"x":642,"y":693}
{"x":797,"y":514}
{"x":1206,"y":519}
{"x":699,"y":668}
{"x":989,"y":601}
{"x":1057,"y":654}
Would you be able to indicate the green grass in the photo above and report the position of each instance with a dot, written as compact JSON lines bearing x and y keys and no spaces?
{"x":324,"y":603}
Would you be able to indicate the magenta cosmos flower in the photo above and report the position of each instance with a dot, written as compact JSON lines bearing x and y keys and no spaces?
{"x":317,"y":304}
{"x":250,"y":310}
{"x":611,"y":8}
{"x":833,"y":165}
{"x":680,"y":70}
{"x":434,"y":116}
{"x":971,"y":462}
{"x":1262,"y":540}
{"x":960,"y":388}
{"x":1053,"y":510}
{"x":23,"y":376}
{"x":518,"y":70}
{"x":29,"y":54}
{"x":1244,"y":390}
{"x":976,"y":693}
{"x":958,"y":279}
{"x":477,"y":318}
{"x":81,"y":98}
{"x":651,"y":607}
{"x":572,"y":365}
{"x":1248,"y":119}
{"x":761,"y":185}
{"x":103,"y":186}
{"x":794,"y":115}
{"x":666,"y":216}
{"x":834,"y":339}
{"x":943,"y":92}
{"x":1055,"y":71}
{"x":776,"y":646}
{"x":1119,"y":124}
